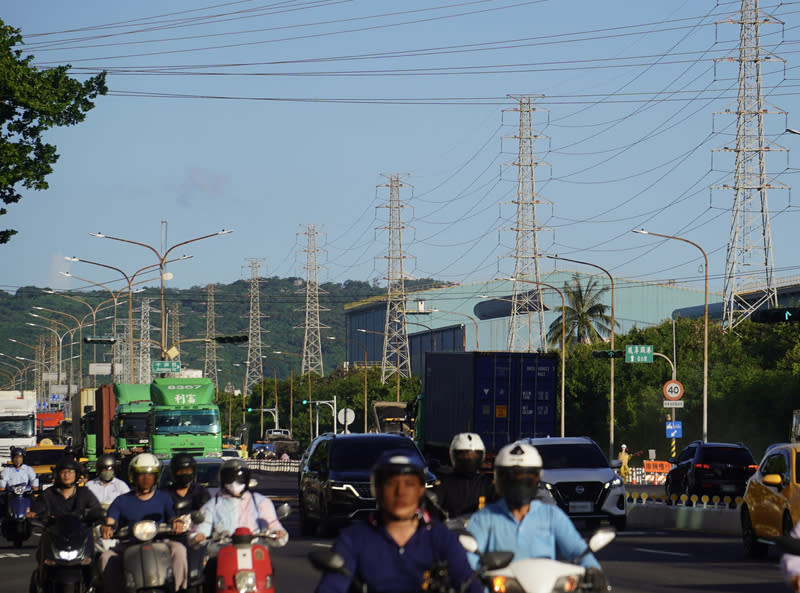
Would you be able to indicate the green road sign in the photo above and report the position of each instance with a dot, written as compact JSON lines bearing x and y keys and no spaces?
{"x":166,"y":366}
{"x":639,"y":353}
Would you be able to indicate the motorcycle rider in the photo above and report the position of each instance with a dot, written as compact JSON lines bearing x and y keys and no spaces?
{"x":14,"y":475}
{"x":144,"y":501}
{"x":519,"y":523}
{"x":105,"y":485}
{"x":464,"y":490}
{"x":395,"y":548}
{"x":184,"y":486}
{"x":65,"y":497}
{"x":235,"y":506}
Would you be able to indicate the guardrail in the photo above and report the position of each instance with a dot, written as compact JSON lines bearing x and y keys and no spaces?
{"x":288,"y":466}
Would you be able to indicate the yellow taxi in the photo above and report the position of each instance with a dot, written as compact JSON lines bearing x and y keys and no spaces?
{"x":42,"y":458}
{"x":772,"y":499}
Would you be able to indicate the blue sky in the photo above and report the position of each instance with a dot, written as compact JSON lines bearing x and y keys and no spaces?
{"x":264,"y":117}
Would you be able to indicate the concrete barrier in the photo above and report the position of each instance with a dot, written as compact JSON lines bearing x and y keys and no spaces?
{"x":715,"y":515}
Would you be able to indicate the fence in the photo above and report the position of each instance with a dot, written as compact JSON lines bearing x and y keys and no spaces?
{"x":288,"y":466}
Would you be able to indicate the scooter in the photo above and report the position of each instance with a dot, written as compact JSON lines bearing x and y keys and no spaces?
{"x":438,"y":580}
{"x":543,"y":575}
{"x":243,"y":561}
{"x":66,"y":554}
{"x":16,"y":526}
{"x":147,"y":564}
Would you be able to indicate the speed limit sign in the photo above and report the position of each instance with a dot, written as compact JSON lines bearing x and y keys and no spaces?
{"x":673,"y":390}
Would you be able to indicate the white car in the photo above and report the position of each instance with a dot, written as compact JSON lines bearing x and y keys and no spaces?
{"x":578,"y":478}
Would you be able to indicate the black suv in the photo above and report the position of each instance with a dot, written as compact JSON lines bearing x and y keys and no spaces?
{"x":711,"y":468}
{"x":333,"y":486}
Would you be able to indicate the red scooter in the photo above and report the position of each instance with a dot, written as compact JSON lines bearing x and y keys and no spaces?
{"x":244,"y":564}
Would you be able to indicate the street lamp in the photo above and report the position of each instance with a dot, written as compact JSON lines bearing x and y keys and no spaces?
{"x":275,"y":385}
{"x":563,"y":342}
{"x":364,"y":348}
{"x":705,"y":322}
{"x":611,"y":372}
{"x":471,"y":318}
{"x":162,"y":261}
{"x":308,"y":397}
{"x":430,"y":332}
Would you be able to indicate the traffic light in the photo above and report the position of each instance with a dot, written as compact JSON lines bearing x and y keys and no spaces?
{"x":305,"y":402}
{"x":789,"y":314}
{"x":608,"y":354}
{"x":249,"y":409}
{"x":237,"y":339}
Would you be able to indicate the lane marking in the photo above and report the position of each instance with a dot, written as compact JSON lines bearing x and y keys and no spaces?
{"x":663,"y":552}
{"x":321,"y":545}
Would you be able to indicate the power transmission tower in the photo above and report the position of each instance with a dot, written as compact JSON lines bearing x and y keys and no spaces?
{"x":396,"y":358}
{"x":174,"y":318}
{"x":122,"y":361}
{"x":750,"y":241}
{"x":210,"y":363}
{"x":254,"y":374}
{"x":527,"y":291}
{"x":312,"y":346}
{"x":144,"y":372}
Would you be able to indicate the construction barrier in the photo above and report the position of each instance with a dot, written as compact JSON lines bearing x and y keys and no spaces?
{"x":289,"y":466}
{"x":653,"y":472}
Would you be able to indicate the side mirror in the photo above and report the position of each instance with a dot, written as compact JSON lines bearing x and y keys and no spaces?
{"x":198,"y":517}
{"x":468,"y":542}
{"x":283,"y":511}
{"x":601,"y":538}
{"x":773,"y":480}
{"x":495,"y":560}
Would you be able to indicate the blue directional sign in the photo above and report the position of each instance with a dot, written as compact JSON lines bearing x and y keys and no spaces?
{"x":674,"y":430}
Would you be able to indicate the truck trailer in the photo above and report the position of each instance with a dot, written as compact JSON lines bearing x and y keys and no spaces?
{"x":17,"y":421}
{"x":502,"y":396}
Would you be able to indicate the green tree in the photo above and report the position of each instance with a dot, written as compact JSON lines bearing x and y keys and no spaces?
{"x":585,"y":315}
{"x":31,"y":102}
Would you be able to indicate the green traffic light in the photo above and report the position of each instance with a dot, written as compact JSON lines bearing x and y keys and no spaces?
{"x":305,"y":401}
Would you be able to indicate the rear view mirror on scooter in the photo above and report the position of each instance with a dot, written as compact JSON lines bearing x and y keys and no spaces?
{"x":283,"y":511}
{"x":197,"y":517}
{"x":329,"y":561}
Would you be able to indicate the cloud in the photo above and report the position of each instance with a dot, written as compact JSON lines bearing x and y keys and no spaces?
{"x":201,"y":185}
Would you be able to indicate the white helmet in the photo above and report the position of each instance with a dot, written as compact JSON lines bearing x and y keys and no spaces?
{"x":466,"y":441}
{"x":518,"y":454}
{"x":624,"y":446}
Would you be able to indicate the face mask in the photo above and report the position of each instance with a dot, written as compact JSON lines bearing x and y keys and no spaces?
{"x":518,"y":493}
{"x":106,"y":475}
{"x":183,"y":480}
{"x":235,"y":488}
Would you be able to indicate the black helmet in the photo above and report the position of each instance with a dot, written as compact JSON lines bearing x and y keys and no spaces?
{"x":234,"y":470}
{"x":396,"y":463}
{"x":105,"y":461}
{"x":69,"y":452}
{"x":182,"y":461}
{"x":17,"y":451}
{"x":66,"y":463}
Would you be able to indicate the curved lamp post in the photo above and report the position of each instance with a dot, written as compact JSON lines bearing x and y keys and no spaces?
{"x":705,"y":323}
{"x":364,"y":348}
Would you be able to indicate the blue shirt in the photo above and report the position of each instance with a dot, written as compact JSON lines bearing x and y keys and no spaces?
{"x":14,"y":476}
{"x":127,"y":509}
{"x":545,"y":532}
{"x":374,"y":558}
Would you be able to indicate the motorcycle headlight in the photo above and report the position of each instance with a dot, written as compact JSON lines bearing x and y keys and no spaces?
{"x":19,"y":490}
{"x":504,"y":584}
{"x":145,"y":530}
{"x":67,"y":555}
{"x":567,"y":583}
{"x":245,"y":581}
{"x":614,"y":483}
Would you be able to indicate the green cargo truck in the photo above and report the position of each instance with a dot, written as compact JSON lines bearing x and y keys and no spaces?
{"x":130,"y":423}
{"x":184,"y":418}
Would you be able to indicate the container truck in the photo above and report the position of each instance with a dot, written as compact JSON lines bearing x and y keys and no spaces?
{"x":502,"y":396}
{"x":131,"y":418}
{"x":17,"y":421}
{"x":184,"y":418}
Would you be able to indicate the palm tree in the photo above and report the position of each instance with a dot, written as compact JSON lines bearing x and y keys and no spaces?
{"x":585,"y":316}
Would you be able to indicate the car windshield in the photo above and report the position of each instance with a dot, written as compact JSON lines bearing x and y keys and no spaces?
{"x":43,"y":457}
{"x":561,"y":456}
{"x":359,"y":455}
{"x":727,"y":455}
{"x":186,"y":421}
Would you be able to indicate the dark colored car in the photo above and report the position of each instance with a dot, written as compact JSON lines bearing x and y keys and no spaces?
{"x":334,"y":479}
{"x":711,"y":468}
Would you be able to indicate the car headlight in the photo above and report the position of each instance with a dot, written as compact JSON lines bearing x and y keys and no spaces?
{"x":614,"y":483}
{"x":67,"y":555}
{"x":245,"y":581}
{"x":145,"y":530}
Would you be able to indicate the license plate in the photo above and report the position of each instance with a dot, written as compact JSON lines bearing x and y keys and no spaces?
{"x":581,"y":507}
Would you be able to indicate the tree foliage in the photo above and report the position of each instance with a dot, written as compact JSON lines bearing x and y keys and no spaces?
{"x":33,"y":101}
{"x":585,"y":316}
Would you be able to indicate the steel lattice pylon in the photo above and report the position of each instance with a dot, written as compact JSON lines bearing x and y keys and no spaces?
{"x":210,"y":363}
{"x":144,"y":373}
{"x":254,"y":374}
{"x":312,"y":346}
{"x":750,"y":241}
{"x":527,"y":292}
{"x":396,"y":360}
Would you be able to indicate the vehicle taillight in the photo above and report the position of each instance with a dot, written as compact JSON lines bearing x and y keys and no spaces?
{"x":702,"y":466}
{"x":752,"y":468}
